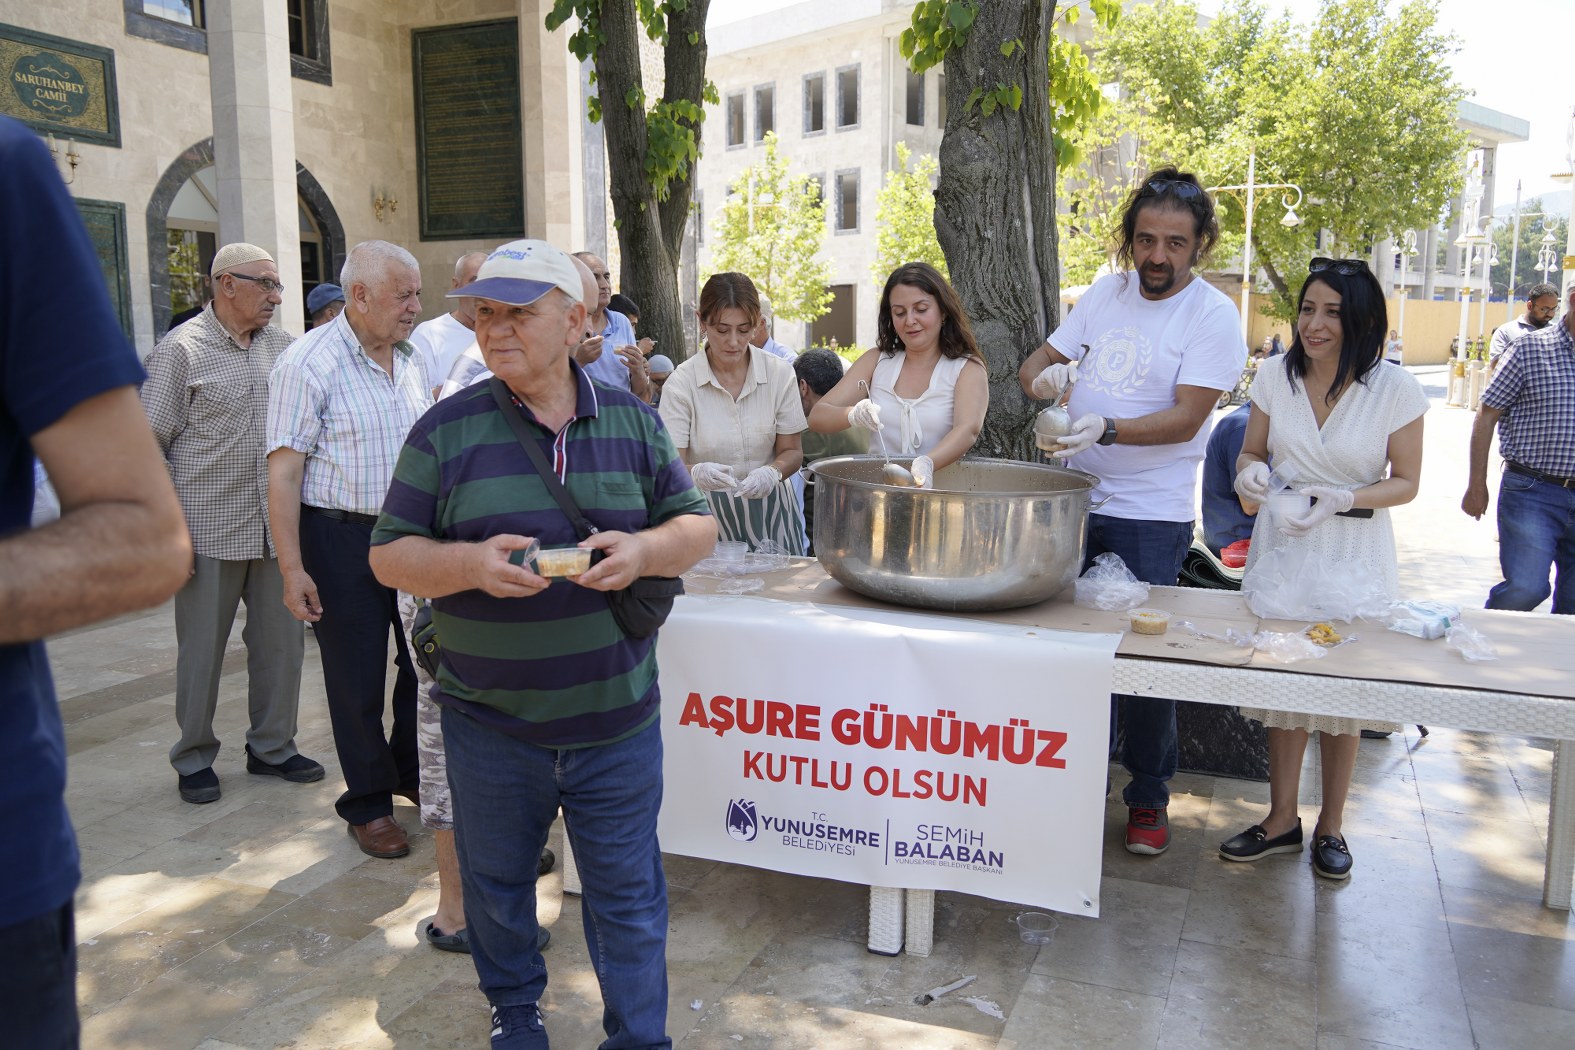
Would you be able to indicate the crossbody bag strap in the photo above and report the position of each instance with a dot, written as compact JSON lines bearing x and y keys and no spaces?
{"x":549,"y":477}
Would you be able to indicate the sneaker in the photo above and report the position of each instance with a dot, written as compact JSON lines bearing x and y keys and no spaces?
{"x":1148,"y":831}
{"x":1331,"y":857}
{"x":518,"y":1028}
{"x":1255,"y":843}
{"x":297,"y":769}
{"x":201,"y":786}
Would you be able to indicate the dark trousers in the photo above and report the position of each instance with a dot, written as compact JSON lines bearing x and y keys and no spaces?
{"x":352,"y":637}
{"x":38,"y":981}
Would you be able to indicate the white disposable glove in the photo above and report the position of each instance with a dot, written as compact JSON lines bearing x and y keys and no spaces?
{"x":759,"y":482}
{"x":1085,"y":432}
{"x":1053,"y":381}
{"x":1252,"y":484}
{"x":713,"y":477}
{"x":865,"y":414}
{"x":923,"y":471}
{"x":1330,"y":502}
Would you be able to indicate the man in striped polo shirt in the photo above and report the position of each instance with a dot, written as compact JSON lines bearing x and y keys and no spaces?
{"x":1532,"y":402}
{"x":547,"y":702}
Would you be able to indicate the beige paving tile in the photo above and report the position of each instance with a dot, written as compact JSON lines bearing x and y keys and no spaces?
{"x":162,"y":1015}
{"x":1267,"y":905}
{"x":1391,"y":984}
{"x":1218,"y":996}
{"x":1486,"y":852}
{"x":1131,"y":946}
{"x":1502,"y":964}
{"x":1390,"y":877}
{"x":1051,"y":1014}
{"x":1340,"y":1042}
{"x":1509,"y":1025}
{"x":302,"y":862}
{"x":1511,"y":914}
{"x":260,"y":961}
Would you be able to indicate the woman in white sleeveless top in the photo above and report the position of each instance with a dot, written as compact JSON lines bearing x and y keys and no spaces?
{"x":928,"y":386}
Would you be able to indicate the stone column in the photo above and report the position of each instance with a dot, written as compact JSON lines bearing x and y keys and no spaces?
{"x":254,"y":138}
{"x":550,"y":113}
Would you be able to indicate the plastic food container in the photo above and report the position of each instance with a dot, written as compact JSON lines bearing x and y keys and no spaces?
{"x":1149,"y":621}
{"x":1285,"y":505}
{"x":562,"y":561}
{"x":1036,"y":927}
{"x":730,"y":550}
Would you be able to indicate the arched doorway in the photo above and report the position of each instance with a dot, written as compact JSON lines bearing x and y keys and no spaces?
{"x":183,"y":228}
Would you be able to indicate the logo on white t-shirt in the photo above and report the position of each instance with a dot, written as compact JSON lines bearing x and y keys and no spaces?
{"x":1121,"y":360}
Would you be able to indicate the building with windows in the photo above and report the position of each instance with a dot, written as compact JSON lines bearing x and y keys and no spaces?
{"x":304,"y":126}
{"x":828,"y":78}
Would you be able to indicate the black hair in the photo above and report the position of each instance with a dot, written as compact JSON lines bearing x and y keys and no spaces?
{"x":1169,"y":188}
{"x":1540,"y":290}
{"x":820,"y":368}
{"x":956,"y":336}
{"x":1364,"y":320}
{"x":624,"y":305}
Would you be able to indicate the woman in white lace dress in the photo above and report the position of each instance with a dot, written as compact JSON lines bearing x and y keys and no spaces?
{"x":928,"y":385}
{"x":1353,"y":427}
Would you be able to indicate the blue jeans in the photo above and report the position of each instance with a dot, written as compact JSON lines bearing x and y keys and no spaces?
{"x":1536,"y":532}
{"x":506,"y":794}
{"x":1154,"y":551}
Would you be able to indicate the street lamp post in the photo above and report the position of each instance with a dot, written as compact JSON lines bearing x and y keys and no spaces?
{"x":1489,"y":256}
{"x":1547,"y":257}
{"x":1249,"y":189}
{"x":1407,"y":249}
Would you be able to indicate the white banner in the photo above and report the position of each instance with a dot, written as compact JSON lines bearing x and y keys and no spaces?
{"x":887,"y":749}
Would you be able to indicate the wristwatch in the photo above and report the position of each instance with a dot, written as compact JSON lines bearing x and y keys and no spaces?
{"x":1109,"y":436}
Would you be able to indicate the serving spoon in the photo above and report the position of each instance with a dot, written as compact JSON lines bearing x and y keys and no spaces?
{"x":891,"y":473}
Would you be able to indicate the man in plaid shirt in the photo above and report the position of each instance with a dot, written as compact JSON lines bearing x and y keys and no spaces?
{"x":206,"y":397}
{"x":1532,"y":402}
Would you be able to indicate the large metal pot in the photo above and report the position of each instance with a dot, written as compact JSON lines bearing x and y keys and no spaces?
{"x":991,"y":534}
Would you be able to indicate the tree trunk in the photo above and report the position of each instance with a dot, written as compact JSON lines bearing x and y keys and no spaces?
{"x":995,"y":208}
{"x":650,"y":231}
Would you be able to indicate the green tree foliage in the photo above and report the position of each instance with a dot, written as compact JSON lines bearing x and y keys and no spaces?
{"x":1534,"y":226}
{"x":1358,"y":110}
{"x":652,"y":144}
{"x":772,"y":228}
{"x":905,"y":217}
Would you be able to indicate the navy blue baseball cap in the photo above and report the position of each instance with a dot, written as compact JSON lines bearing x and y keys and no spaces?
{"x":321,"y":296}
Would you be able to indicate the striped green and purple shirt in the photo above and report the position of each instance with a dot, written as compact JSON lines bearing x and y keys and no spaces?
{"x":553,"y":669}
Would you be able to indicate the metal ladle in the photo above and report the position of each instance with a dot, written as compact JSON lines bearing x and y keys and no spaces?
{"x":1054,"y":422}
{"x":891,"y":473}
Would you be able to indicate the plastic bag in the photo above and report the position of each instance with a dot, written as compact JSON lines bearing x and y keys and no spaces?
{"x":1472,"y":643}
{"x":1287,"y":648}
{"x":1297,"y":583}
{"x":1422,"y":619}
{"x":1109,"y":585}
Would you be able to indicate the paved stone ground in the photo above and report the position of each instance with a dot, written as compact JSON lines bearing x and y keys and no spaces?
{"x":255,"y":923}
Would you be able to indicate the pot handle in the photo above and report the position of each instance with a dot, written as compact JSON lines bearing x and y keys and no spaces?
{"x":1101,"y":503}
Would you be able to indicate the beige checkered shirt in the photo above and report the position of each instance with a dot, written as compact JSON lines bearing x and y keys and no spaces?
{"x":207,"y":398}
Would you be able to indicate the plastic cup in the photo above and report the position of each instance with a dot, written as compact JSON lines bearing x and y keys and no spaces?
{"x":1037,"y":927}
{"x":1283,"y":505}
{"x":1149,"y":621}
{"x":731,"y":550}
{"x":562,"y":561}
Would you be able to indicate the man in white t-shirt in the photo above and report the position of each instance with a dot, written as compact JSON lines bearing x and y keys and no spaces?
{"x":1146,"y":355}
{"x":442,"y":339}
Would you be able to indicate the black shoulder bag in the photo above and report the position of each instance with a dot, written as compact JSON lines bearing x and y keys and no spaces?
{"x":645,"y":604}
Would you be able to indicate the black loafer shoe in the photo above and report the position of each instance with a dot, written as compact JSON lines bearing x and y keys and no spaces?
{"x":298,"y":769}
{"x":1331,"y":858}
{"x":545,"y":864}
{"x":201,"y":786}
{"x":1255,"y":844}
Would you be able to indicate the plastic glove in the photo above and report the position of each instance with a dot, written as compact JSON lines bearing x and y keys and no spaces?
{"x":1085,"y":432}
{"x":713,"y":477}
{"x":1252,"y":484}
{"x":1053,"y":381}
{"x":1330,"y":502}
{"x":759,"y":482}
{"x":865,"y":414}
{"x":923,"y":471}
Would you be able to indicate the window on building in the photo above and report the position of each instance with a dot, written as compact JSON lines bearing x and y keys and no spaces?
{"x":182,"y":12}
{"x":940,"y":100}
{"x":847,"y":201}
{"x":735,"y":119}
{"x":848,"y":97}
{"x":765,"y":111}
{"x":814,"y":103}
{"x":916,"y":99}
{"x":303,"y":28}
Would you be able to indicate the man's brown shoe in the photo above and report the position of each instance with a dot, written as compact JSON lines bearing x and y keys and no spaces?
{"x":382,"y":838}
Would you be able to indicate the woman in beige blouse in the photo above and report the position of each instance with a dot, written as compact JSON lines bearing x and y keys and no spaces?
{"x":734,"y":414}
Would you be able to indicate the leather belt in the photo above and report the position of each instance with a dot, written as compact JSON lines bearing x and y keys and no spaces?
{"x":342,"y":515}
{"x":1551,"y":479}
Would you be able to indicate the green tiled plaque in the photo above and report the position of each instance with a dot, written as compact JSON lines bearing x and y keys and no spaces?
{"x":106,"y":225}
{"x":59,"y":86}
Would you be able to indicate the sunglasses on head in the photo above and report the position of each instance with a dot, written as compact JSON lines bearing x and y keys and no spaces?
{"x":1181,"y":190}
{"x":1344,"y":267}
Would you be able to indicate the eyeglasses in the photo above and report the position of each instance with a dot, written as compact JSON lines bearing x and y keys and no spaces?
{"x":1182,"y":190}
{"x":1343,"y":267}
{"x":268,"y":285}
